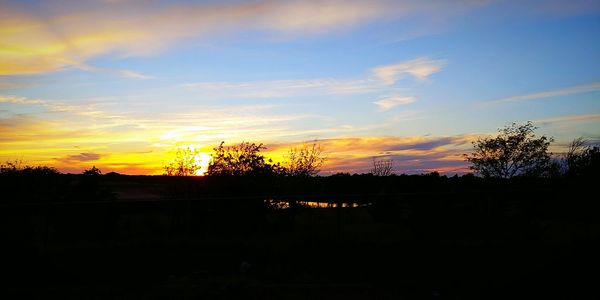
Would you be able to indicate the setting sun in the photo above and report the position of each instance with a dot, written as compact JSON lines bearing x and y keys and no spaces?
{"x":202,"y":159}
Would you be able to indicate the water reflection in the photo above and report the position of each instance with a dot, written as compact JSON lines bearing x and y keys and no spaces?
{"x":285,"y":204}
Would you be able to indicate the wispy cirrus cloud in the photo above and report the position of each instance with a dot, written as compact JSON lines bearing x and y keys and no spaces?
{"x":571,"y":119}
{"x":69,"y":35}
{"x":21,"y":100}
{"x":118,"y":72}
{"x":577,"y":89}
{"x":377,"y":80}
{"x":88,"y":109}
{"x":66,"y":136}
{"x":420,"y":68}
{"x":131,"y":143}
{"x":388,"y":103}
{"x":284,"y":88}
{"x":96,"y":125}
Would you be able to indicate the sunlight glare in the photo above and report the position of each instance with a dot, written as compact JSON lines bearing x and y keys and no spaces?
{"x":202,"y":159}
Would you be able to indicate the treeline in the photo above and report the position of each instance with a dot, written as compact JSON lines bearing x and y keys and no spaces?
{"x":246,"y":159}
{"x":360,"y":188}
{"x":515,"y":152}
{"x":24,"y":183}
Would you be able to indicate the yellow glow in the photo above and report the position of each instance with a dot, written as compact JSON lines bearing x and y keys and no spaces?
{"x":80,"y":140}
{"x":31,"y":44}
{"x":202,"y":159}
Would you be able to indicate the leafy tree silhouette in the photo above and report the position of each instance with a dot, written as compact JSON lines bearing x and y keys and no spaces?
{"x":515,"y":151}
{"x":92,"y":171}
{"x":241,"y":160}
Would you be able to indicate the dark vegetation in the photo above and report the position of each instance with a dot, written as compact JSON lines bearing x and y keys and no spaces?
{"x":244,"y":159}
{"x":515,"y":151}
{"x":247,"y":230}
{"x":184,"y":163}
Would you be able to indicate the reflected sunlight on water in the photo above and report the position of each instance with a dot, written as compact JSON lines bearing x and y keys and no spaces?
{"x":285,"y":204}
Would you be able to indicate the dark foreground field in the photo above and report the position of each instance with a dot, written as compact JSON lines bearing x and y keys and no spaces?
{"x":408,"y":237}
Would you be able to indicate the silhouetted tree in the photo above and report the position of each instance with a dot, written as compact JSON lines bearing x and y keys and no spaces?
{"x":581,"y":159}
{"x":92,"y":171}
{"x":305,"y":161}
{"x":185,"y":163}
{"x":238,"y":160}
{"x":382,"y":167}
{"x":434,"y":174}
{"x":515,"y":151}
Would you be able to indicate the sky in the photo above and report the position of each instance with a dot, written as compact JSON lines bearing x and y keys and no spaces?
{"x":121,"y":85}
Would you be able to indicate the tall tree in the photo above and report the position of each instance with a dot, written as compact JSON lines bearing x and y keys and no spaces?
{"x":515,"y":151}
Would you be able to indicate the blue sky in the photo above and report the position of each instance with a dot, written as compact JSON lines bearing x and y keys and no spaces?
{"x":121,"y":84}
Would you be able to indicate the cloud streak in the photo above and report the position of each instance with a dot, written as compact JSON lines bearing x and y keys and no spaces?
{"x":420,"y":68}
{"x":136,"y":144}
{"x":393,"y":101}
{"x":70,"y":35}
{"x":21,"y":100}
{"x":284,"y":88}
{"x":571,"y":119}
{"x":572,"y":90}
{"x":376,"y":81}
{"x":121,"y":73}
{"x":89,"y":109}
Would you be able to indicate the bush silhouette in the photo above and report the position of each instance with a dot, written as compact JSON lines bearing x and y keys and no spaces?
{"x":17,"y":167}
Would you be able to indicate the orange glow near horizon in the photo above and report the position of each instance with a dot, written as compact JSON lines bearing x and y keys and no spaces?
{"x":149,"y":155}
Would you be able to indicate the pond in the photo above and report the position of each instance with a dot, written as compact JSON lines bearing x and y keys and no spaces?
{"x":285,"y":204}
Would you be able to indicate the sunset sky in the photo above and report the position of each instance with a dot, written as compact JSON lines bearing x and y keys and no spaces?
{"x":121,"y":84}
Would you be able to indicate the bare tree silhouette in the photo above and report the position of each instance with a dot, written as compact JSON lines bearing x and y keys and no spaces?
{"x":382,"y":167}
